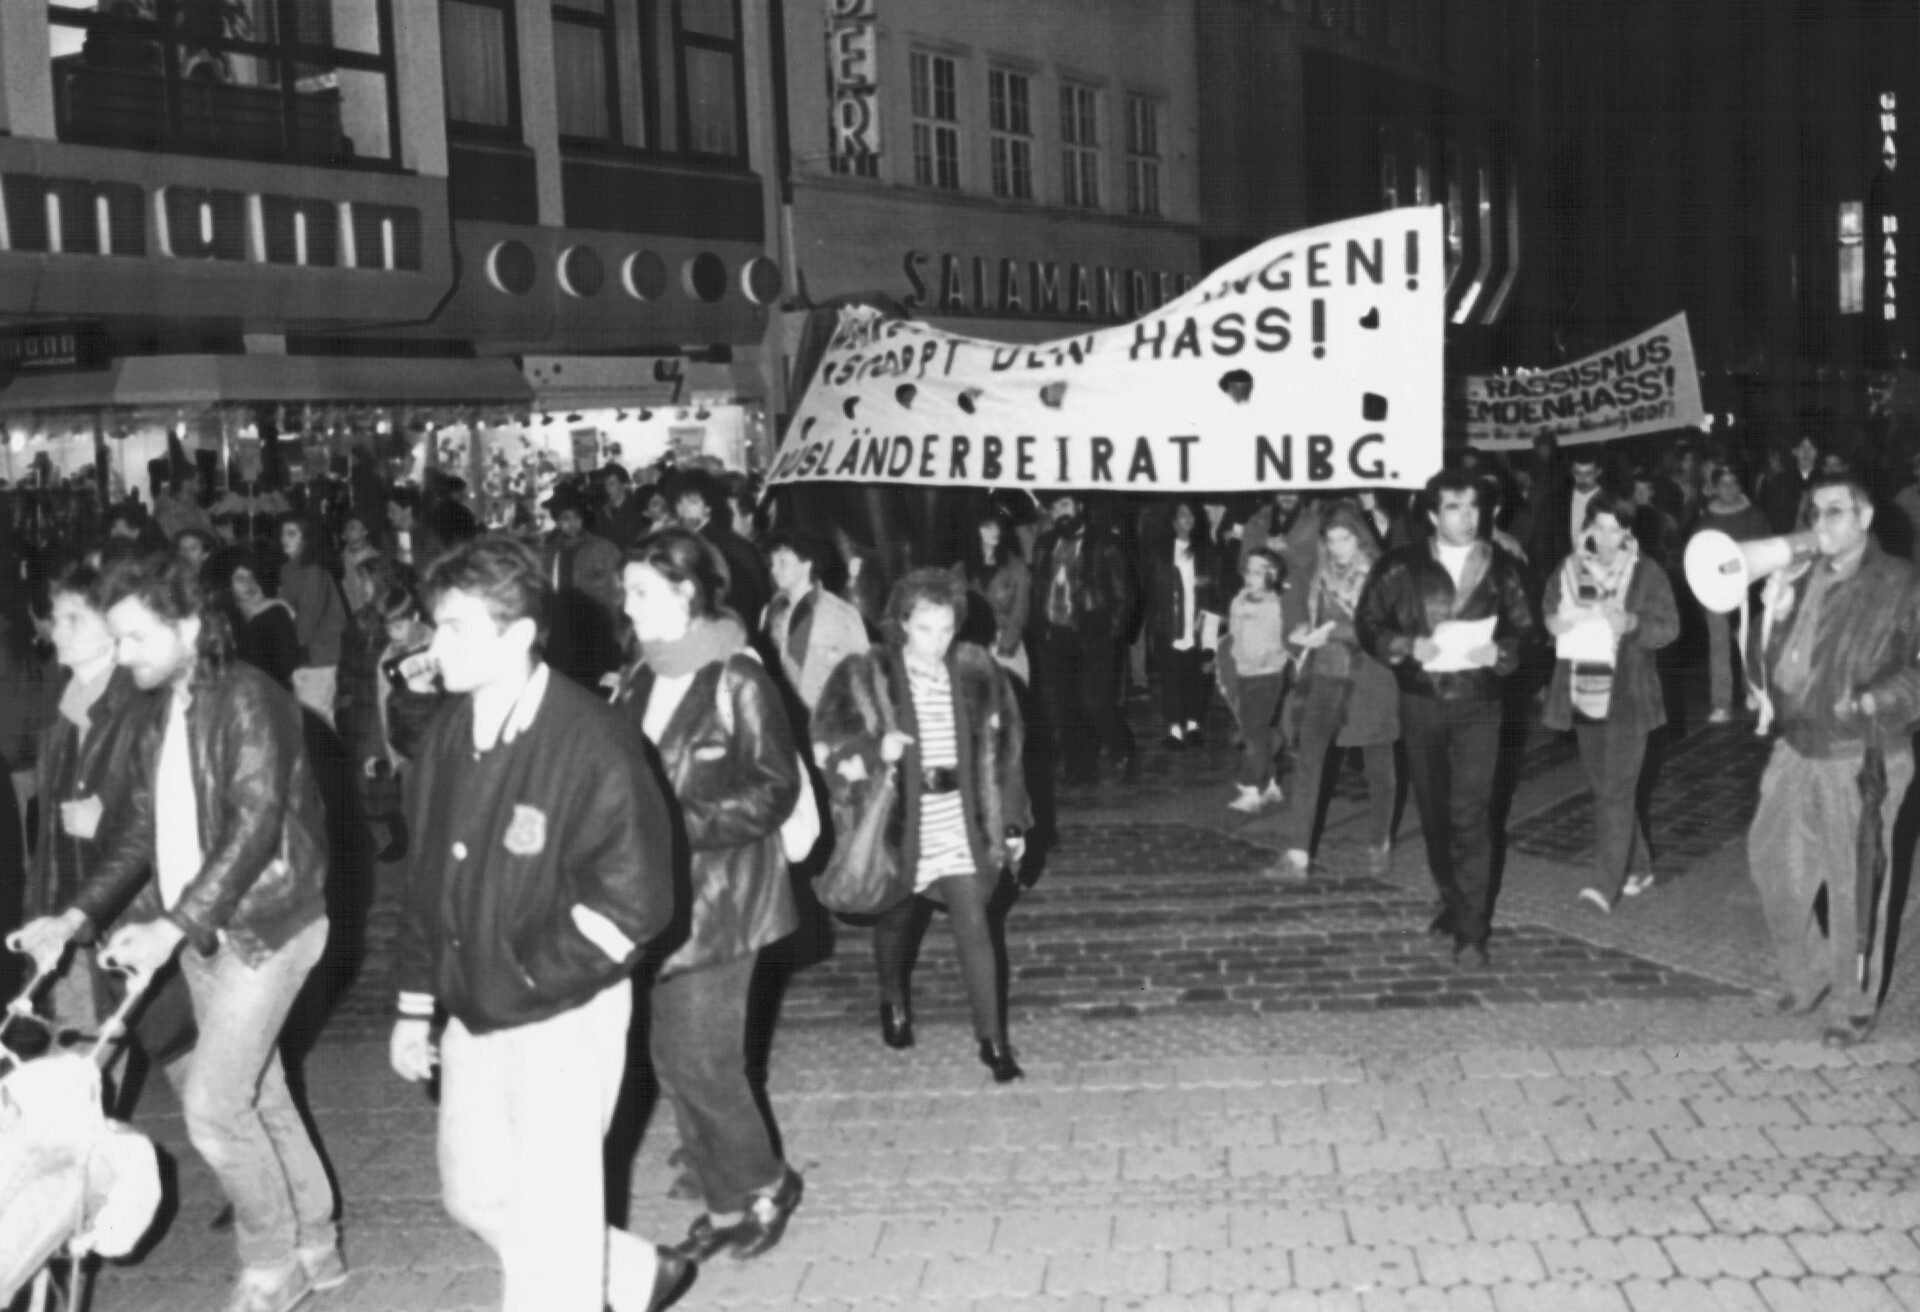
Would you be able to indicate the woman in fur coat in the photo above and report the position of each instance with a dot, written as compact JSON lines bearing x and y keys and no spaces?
{"x":943,"y":714}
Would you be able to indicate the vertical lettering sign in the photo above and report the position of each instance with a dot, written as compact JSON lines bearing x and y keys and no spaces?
{"x":853,"y":67}
{"x":1889,"y":207}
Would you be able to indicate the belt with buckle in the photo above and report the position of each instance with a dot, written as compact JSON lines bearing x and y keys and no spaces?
{"x":939,"y":779}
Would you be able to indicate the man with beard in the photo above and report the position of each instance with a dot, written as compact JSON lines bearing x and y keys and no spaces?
{"x":1083,"y":592}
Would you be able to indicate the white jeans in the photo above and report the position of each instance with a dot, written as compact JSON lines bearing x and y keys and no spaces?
{"x":523,"y":1112}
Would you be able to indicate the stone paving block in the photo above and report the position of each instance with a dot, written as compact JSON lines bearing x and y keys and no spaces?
{"x":1906,"y":1289}
{"x":1203,"y":1132}
{"x":991,"y":1275}
{"x":1483,"y":1094}
{"x":1372,"y":1097}
{"x":1389,"y":1155}
{"x":1201,"y":1072}
{"x":1224,"y":1271}
{"x":1138,"y":1129}
{"x":1825,"y":1141}
{"x":1556,"y":1090}
{"x":1869,"y":1211}
{"x":408,"y":1289}
{"x":1744,"y":1257}
{"x":1778,"y":1082}
{"x":1682,"y":1085}
{"x":1050,"y":1131}
{"x":1509,"y":1261}
{"x":1530,"y":1118}
{"x":1076,"y":1165}
{"x":1577,"y":1063}
{"x":1902,"y":1138}
{"x":1058,"y":1230}
{"x":1272,"y":1100}
{"x":1498,"y":1152}
{"x":1855,"y":1107}
{"x":1732,"y":1144}
{"x":1425,"y":1298}
{"x":970,"y":1169}
{"x":1722,"y":1112}
{"x":1778,"y":1214}
{"x":1327,"y":1127}
{"x":1433,"y":1123}
{"x":839,"y":1238}
{"x":1857,"y":1252}
{"x":1652,"y":1217}
{"x":1688,"y":1295}
{"x":1660,"y":1114}
{"x":1795,"y":1055}
{"x":1508,"y":1063}
{"x":1607,"y":1260}
{"x":1492,"y":1222}
{"x":1281,"y":1160}
{"x":1558,"y":1296}
{"x":1172,"y":1230}
{"x":1297,"y":1300}
{"x":1356,"y":1267}
{"x":948,"y":1234}
{"x":1138,"y":1164}
{"x":1107,"y":1274}
{"x":1699,"y":1057}
{"x":1404,"y":1223}
{"x":1308,"y":1069}
{"x":891,"y":1279}
{"x":1577,"y":1148}
{"x":770,"y":1281}
{"x":1202,"y":1301}
{"x":1286,"y":1227}
{"x":1826,"y":1294}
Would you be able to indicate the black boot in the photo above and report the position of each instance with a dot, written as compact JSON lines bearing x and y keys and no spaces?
{"x":997,"y":1057}
{"x":896,"y":1026}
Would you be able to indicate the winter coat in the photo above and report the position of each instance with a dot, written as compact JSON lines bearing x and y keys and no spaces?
{"x":1410,"y":592}
{"x":102,"y":766}
{"x":565,"y":811}
{"x":1341,"y":668}
{"x":1009,"y":597}
{"x":729,"y":758}
{"x":1868,"y":632}
{"x":1636,"y":703}
{"x":1163,"y":593}
{"x":848,"y":725}
{"x":319,"y":615}
{"x":269,"y":640}
{"x":825,"y":630}
{"x":1105,"y":590}
{"x":262,"y":827}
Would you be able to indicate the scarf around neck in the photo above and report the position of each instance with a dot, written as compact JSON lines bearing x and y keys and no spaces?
{"x":1336,"y":591}
{"x":1609,"y":580}
{"x":710,"y":639}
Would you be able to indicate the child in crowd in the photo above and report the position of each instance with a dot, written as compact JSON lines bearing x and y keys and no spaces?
{"x":1252,"y":662}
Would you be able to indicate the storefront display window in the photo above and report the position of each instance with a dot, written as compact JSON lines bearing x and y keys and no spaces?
{"x":304,"y":80}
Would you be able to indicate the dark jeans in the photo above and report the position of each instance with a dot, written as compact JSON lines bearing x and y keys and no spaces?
{"x":1613,"y":756}
{"x":1079,"y":680}
{"x":1452,"y":748}
{"x":1184,"y":688}
{"x":898,"y":931}
{"x":1259,"y":702}
{"x":1322,"y":713}
{"x":699,"y":1027}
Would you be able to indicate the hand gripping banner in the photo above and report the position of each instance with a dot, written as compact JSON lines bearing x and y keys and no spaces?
{"x":1314,"y":360}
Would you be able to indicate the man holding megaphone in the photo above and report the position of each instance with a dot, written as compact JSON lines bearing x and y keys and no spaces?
{"x":1837,"y":660}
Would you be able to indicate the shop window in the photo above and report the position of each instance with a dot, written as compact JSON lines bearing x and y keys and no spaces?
{"x":1143,"y":156}
{"x":1010,"y":115}
{"x":481,"y":59}
{"x":1853,"y":257}
{"x":1080,"y":145}
{"x":305,"y":80}
{"x":936,"y":120}
{"x":713,"y":93}
{"x":586,"y":70}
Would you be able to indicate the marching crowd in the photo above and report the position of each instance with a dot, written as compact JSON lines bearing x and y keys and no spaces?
{"x":603,"y":755}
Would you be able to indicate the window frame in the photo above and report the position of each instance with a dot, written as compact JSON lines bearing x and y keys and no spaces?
{"x":1140,"y":159}
{"x":280,"y":54}
{"x":683,"y":39}
{"x":1010,"y":145}
{"x":931,"y":124}
{"x":514,"y":130}
{"x":568,"y":13}
{"x":1074,"y":150}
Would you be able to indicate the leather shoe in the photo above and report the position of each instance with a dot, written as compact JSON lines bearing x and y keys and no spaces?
{"x":998,"y":1058}
{"x":1442,"y":926}
{"x":896,"y":1026}
{"x":758,"y":1229}
{"x":673,"y":1276}
{"x":1848,"y":1033}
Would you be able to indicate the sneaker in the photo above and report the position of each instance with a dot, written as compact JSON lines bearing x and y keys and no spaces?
{"x":1380,"y":859}
{"x":1273,"y":793}
{"x":1636,"y":885}
{"x":326,"y":1268}
{"x":1721,"y":716}
{"x":1176,"y":739}
{"x":266,"y":1289}
{"x":1248,"y":800}
{"x":1594,"y":898}
{"x":1294,"y":868}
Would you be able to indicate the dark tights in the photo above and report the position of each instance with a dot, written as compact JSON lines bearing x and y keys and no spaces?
{"x":897,"y":931}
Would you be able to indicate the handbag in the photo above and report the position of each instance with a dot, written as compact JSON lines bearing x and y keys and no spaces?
{"x":863,"y":876}
{"x":800,"y":831}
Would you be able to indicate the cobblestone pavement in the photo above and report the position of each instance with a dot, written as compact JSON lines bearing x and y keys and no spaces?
{"x":1242,"y":1096}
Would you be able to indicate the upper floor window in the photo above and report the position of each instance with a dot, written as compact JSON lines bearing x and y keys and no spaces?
{"x":306,"y":80}
{"x":480,"y":57}
{"x":586,"y":70}
{"x":713,"y":93}
{"x":1143,"y":156}
{"x":1080,"y":144}
{"x":936,"y":120}
{"x":1010,"y":116}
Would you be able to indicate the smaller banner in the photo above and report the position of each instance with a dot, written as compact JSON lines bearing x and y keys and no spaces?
{"x":1643,"y":385}
{"x":1311,"y":361}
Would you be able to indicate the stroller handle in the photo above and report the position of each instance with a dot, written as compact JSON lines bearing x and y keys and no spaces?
{"x":112,"y":1030}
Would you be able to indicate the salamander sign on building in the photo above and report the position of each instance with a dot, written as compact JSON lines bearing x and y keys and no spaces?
{"x":1313,"y":360}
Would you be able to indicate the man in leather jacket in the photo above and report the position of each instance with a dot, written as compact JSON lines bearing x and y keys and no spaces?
{"x":225,"y":811}
{"x":1083,"y":595}
{"x":542,"y":870}
{"x":1450,"y":710}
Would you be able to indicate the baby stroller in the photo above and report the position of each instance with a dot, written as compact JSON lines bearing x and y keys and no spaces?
{"x":70,"y":1178}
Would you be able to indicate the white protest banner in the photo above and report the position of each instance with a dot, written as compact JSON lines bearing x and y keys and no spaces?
{"x":1643,"y":385}
{"x":1311,"y":361}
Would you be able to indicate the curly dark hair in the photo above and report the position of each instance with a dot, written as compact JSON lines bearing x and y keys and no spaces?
{"x":680,"y":555}
{"x":923,"y":587}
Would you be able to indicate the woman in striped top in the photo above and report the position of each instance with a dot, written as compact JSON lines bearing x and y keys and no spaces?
{"x":941,"y":713}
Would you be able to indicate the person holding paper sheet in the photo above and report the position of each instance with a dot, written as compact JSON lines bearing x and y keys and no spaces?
{"x":1344,"y":696}
{"x":1609,"y":609}
{"x":1449,"y":617}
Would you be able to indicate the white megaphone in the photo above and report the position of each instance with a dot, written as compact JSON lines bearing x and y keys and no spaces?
{"x":1720,"y":570}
